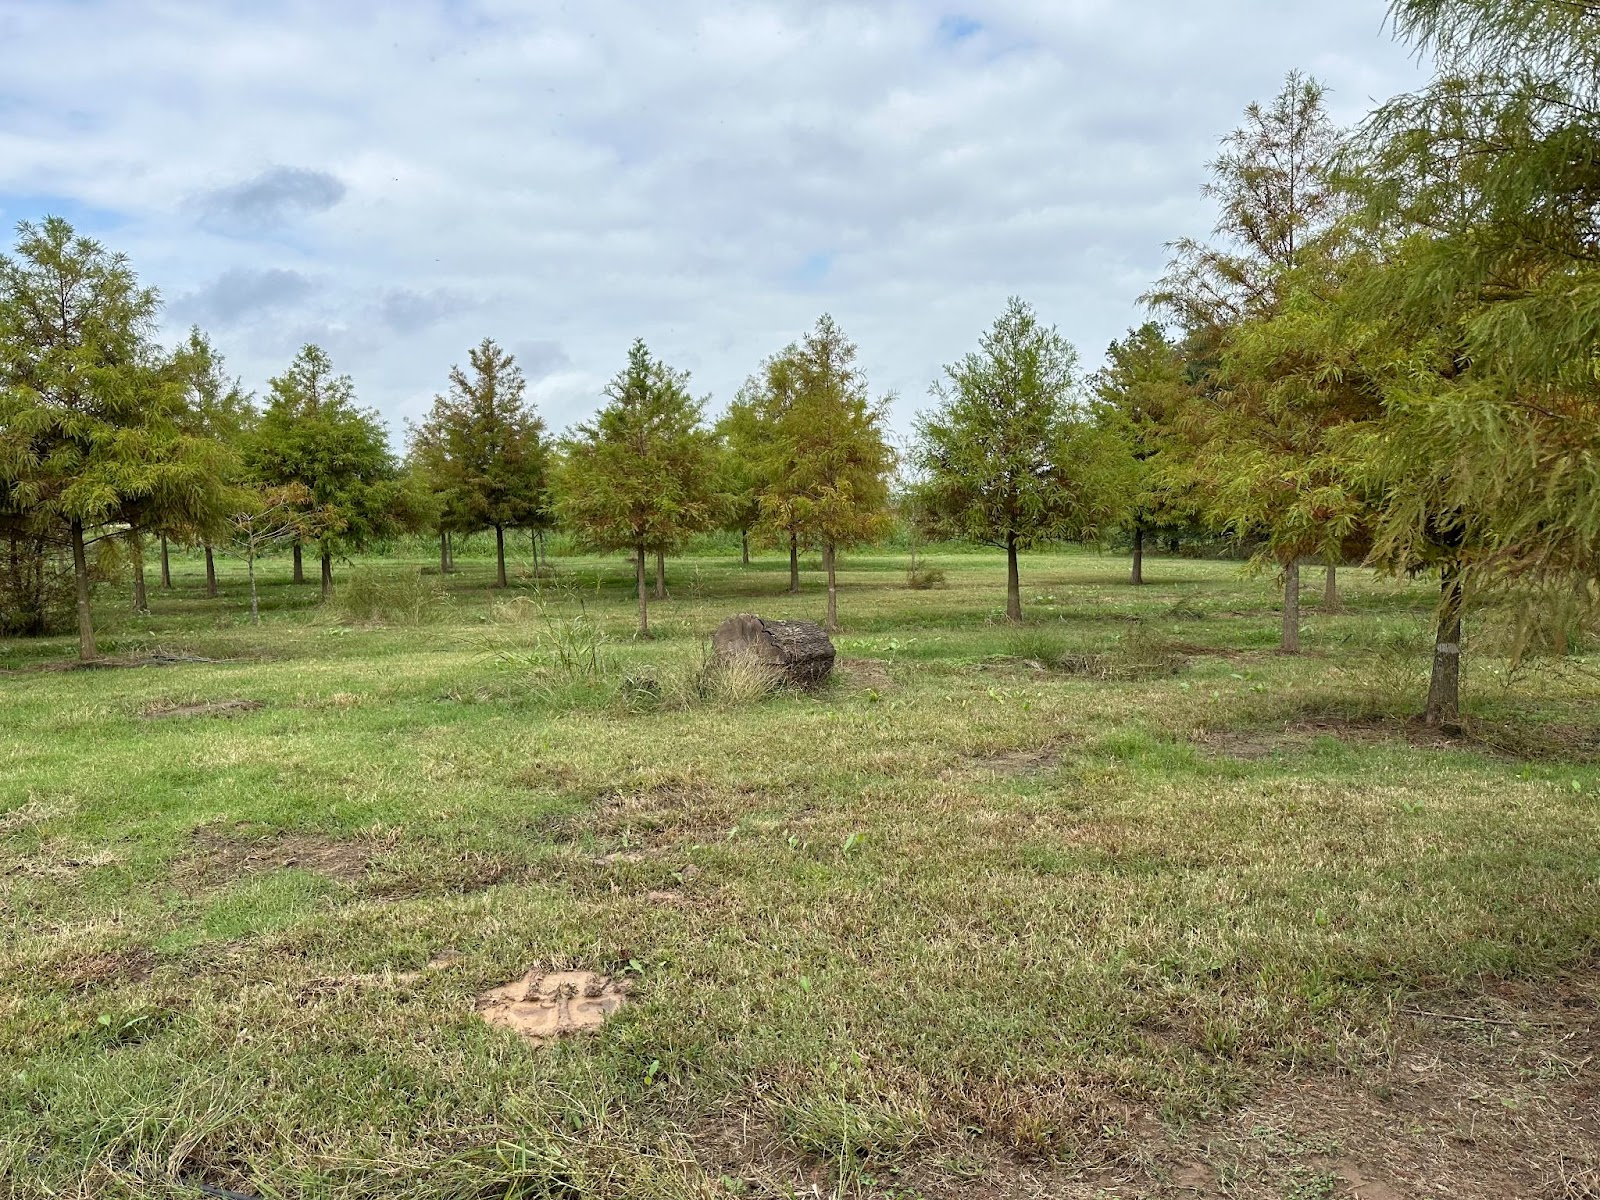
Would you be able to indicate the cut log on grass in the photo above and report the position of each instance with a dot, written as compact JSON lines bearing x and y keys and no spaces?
{"x":800,"y":652}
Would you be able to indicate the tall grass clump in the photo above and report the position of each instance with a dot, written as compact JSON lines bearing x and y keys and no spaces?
{"x":390,"y":598}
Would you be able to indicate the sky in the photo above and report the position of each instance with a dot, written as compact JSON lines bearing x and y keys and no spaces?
{"x":398,"y":179}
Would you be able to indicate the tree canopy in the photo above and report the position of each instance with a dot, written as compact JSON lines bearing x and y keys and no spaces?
{"x":1010,"y":455}
{"x":640,"y":473}
{"x":483,"y":451}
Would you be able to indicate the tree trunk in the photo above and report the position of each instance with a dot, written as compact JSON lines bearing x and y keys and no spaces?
{"x":500,"y":556}
{"x":830,"y":560}
{"x":638,"y":579}
{"x":794,"y":564}
{"x":80,"y":572}
{"x":141,"y":598}
{"x":444,"y":553}
{"x":1444,"y":687}
{"x":211,"y":573}
{"x":1013,"y":582}
{"x":327,"y":576}
{"x":1291,"y":608}
{"x":255,"y":600}
{"x":450,"y":551}
{"x":1330,"y":589}
{"x":166,"y":565}
{"x":533,"y":541}
{"x":744,"y":546}
{"x":1172,"y":547}
{"x":661,"y":575}
{"x":299,"y":565}
{"x":1138,"y":555}
{"x":544,"y":550}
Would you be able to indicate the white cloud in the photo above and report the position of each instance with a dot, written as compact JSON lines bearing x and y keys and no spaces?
{"x":709,"y":174}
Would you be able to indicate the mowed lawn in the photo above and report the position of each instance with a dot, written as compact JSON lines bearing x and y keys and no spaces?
{"x":1123,"y":903}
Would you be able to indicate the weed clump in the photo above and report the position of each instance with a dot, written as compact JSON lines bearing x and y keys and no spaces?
{"x":383,"y":597}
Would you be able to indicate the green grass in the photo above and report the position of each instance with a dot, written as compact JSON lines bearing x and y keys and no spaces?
{"x":995,"y":901}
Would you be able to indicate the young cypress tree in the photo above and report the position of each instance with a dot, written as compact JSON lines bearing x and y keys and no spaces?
{"x":1140,"y":393}
{"x":217,"y":407}
{"x":640,"y":473}
{"x":1010,"y":456}
{"x":483,"y":448}
{"x":91,"y":440}
{"x":1481,"y":188}
{"x":313,"y":434}
{"x":1278,"y":220}
{"x":829,"y":459}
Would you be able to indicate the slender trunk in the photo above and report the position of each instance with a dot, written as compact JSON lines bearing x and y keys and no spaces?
{"x":794,"y":564}
{"x":638,"y":579}
{"x":255,"y":600}
{"x":166,"y":565}
{"x":1138,"y":555}
{"x":299,"y":565}
{"x":211,"y":573}
{"x":1444,"y":687}
{"x":80,"y":572}
{"x":1330,"y":589}
{"x":1172,"y":546}
{"x":661,"y":575}
{"x":533,"y":541}
{"x":544,"y":550}
{"x":1013,"y":582}
{"x":1291,"y":608}
{"x":500,"y":556}
{"x":141,"y":598}
{"x":444,"y":553}
{"x":830,"y":560}
{"x":327,"y":575}
{"x":744,"y":546}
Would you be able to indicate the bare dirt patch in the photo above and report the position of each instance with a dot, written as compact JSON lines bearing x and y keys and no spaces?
{"x":157,"y":658}
{"x":86,"y":971}
{"x":543,"y":1006}
{"x":213,"y":708}
{"x":224,"y":853}
{"x":1500,"y":1101}
{"x":1515,"y":741}
{"x":1026,"y":760}
{"x":866,"y":674}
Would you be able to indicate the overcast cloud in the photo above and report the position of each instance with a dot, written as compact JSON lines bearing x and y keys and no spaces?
{"x":397,"y":180}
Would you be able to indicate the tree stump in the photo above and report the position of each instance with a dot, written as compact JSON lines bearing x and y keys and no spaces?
{"x":799,"y":652}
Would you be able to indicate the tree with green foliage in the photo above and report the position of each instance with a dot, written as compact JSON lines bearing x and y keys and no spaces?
{"x":741,"y":438}
{"x":92,"y":442}
{"x":825,"y":459}
{"x":640,"y":473}
{"x":1278,"y":229}
{"x":313,"y":433}
{"x":1140,"y":393}
{"x":1011,"y":456}
{"x":484,"y":450}
{"x":1482,"y":189}
{"x":216,"y":406}
{"x":763,"y":407}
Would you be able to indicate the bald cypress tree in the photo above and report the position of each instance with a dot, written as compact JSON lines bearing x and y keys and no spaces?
{"x":639,"y":474}
{"x":313,"y":434}
{"x":822,"y":454}
{"x":1011,"y":456}
{"x":483,"y":450}
{"x":92,"y":443}
{"x":1482,"y":189}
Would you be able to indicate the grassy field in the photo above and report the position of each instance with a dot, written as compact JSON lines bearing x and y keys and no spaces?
{"x":1122,"y":903}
